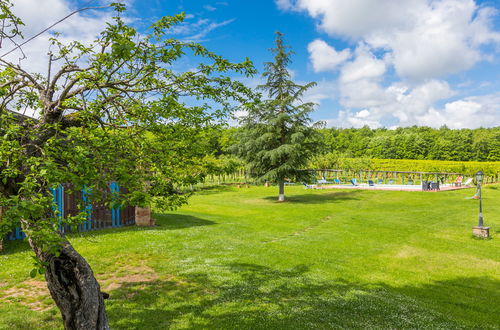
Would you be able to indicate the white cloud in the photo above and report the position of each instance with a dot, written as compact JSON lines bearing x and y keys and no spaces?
{"x":196,"y":31}
{"x":359,"y":81}
{"x":356,"y":18}
{"x":429,"y":47}
{"x":404,"y":51}
{"x":470,"y":112}
{"x":415,"y":106}
{"x":422,"y":36}
{"x":358,"y":119}
{"x":324,"y":57}
{"x":324,"y":90}
{"x":284,"y":4}
{"x":83,"y":27}
{"x":209,"y":8}
{"x":365,"y":66}
{"x":379,"y":104}
{"x":363,"y":94}
{"x":423,"y":96}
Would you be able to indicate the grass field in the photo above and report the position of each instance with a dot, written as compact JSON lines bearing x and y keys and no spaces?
{"x":237,"y":259}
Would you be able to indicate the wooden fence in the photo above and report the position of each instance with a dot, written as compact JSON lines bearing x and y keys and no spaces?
{"x":99,"y":216}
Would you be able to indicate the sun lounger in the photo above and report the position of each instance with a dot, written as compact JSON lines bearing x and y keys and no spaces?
{"x":468,"y":182}
{"x":310,"y":186}
{"x":337,"y":181}
{"x":371,"y":183}
{"x":434,"y":185}
{"x":353,"y":182}
{"x":426,"y":185}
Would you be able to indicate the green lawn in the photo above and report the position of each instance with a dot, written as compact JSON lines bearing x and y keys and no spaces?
{"x":237,"y":259}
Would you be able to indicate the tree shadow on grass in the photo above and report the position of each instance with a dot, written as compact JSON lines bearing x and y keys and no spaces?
{"x":180,"y":221}
{"x":163,"y":222}
{"x":330,"y":197}
{"x":248,"y":296}
{"x":13,"y":247}
{"x":212,"y":190}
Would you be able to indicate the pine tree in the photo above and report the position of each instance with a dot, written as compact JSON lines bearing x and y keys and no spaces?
{"x":278,"y":138}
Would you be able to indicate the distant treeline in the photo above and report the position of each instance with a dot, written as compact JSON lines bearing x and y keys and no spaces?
{"x":422,"y":149}
{"x":481,"y":144}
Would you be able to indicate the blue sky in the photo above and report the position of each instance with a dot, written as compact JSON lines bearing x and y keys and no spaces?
{"x":377,"y":62}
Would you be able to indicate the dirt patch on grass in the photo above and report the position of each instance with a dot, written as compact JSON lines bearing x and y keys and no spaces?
{"x":128,"y":274}
{"x":30,"y":293}
{"x":30,"y":289}
{"x":34,"y":294}
{"x":39,"y":285}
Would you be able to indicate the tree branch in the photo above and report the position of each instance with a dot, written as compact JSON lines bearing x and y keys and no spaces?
{"x":50,"y":27}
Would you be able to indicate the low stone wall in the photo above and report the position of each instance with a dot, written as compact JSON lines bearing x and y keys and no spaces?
{"x":143,"y":217}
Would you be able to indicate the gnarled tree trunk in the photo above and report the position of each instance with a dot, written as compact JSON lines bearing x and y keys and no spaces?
{"x":74,"y":288}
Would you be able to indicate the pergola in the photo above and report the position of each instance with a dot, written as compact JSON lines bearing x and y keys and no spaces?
{"x":387,"y":175}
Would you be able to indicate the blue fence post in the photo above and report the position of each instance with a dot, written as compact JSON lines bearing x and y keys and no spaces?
{"x":19,"y":233}
{"x":58,"y":194}
{"x":16,"y":234}
{"x":115,"y":209}
{"x":87,"y":206}
{"x":118,"y":209}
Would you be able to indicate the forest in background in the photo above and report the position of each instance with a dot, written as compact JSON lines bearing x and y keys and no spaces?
{"x":480,"y":144}
{"x":405,"y":149}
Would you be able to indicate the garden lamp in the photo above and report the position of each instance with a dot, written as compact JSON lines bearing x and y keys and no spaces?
{"x":479,"y":179}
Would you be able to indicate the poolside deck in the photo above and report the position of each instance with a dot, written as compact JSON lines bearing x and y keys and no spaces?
{"x":394,"y":187}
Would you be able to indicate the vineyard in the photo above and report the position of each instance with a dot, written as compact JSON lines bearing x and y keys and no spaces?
{"x":233,"y":171}
{"x":468,"y":168}
{"x":332,"y":161}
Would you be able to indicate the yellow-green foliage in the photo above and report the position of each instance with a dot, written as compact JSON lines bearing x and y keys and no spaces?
{"x":333,"y":161}
{"x":469,"y":168}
